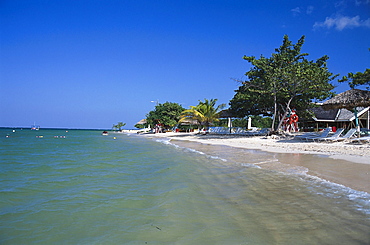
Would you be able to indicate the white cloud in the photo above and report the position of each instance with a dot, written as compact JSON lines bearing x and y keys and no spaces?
{"x":360,"y":2}
{"x":309,"y":10}
{"x":341,"y":4}
{"x":366,"y":23}
{"x":342,"y":22}
{"x":296,"y":11}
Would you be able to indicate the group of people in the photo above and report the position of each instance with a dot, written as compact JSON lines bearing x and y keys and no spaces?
{"x":290,"y":123}
{"x":158,"y":128}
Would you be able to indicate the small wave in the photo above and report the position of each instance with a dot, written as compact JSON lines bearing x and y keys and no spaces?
{"x":361,"y":199}
{"x":250,"y":165}
{"x":268,"y":161}
{"x":168,"y":142}
{"x":193,"y":150}
{"x":219,"y":158}
{"x":165,"y":141}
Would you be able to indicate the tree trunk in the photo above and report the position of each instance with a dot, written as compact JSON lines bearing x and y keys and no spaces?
{"x":275,"y":112}
{"x":285,"y":113}
{"x":274,"y":117}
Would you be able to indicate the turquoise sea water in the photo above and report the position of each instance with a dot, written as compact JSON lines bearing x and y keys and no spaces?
{"x":92,"y":189}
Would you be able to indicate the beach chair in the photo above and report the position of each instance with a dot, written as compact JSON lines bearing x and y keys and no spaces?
{"x":261,"y":132}
{"x":249,"y":132}
{"x":323,"y":134}
{"x":214,"y":130}
{"x":226,"y":130}
{"x":239,"y":131}
{"x":310,"y":134}
{"x":347,"y":136}
{"x":333,"y":137}
{"x":365,"y":139}
{"x":219,"y":130}
{"x":302,"y":136}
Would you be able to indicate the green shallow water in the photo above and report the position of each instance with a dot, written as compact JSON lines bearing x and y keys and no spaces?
{"x":92,"y":189}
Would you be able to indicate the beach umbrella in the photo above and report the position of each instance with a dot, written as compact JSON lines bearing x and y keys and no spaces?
{"x":350,"y":100}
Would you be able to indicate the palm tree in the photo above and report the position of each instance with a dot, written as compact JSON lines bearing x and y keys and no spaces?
{"x":205,"y":112}
{"x":119,"y":126}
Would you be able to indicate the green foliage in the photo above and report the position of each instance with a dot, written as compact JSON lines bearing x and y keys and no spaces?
{"x":240,"y":122}
{"x":248,"y":101}
{"x":118,"y":126}
{"x":283,"y":81}
{"x":261,"y":122}
{"x":205,"y":113}
{"x":357,"y":79}
{"x":257,"y":121}
{"x":220,"y":123}
{"x":167,"y":114}
{"x":139,"y":126}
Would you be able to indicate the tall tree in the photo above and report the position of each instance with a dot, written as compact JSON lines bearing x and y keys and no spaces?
{"x":167,"y":114}
{"x":357,"y":79}
{"x":274,"y":85}
{"x":206,"y":112}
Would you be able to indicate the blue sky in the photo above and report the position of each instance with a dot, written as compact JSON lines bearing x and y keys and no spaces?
{"x":90,"y":64}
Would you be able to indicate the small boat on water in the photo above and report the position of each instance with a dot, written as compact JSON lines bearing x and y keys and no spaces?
{"x":104,"y":133}
{"x":35,"y":127}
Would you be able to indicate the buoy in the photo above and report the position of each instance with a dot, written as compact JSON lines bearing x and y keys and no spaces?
{"x":114,"y":137}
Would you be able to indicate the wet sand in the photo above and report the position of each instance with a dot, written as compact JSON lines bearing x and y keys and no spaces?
{"x":341,"y":163}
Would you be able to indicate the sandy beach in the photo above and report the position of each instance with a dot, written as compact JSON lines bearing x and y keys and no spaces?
{"x":340,"y":162}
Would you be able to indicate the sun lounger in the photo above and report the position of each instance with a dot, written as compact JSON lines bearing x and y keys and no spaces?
{"x":306,"y":135}
{"x":214,"y":130}
{"x":261,"y":132}
{"x":324,"y":134}
{"x":333,"y":137}
{"x":219,"y":130}
{"x":312,"y":134}
{"x":236,"y":130}
{"x":347,"y":136}
{"x":365,"y":139}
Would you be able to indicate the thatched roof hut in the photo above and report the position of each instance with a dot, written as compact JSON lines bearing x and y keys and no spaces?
{"x":142,"y":121}
{"x":349,"y":100}
{"x":226,"y":114}
{"x":340,"y":118}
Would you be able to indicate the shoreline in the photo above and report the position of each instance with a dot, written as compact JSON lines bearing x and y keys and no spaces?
{"x":340,"y":163}
{"x":359,"y":153}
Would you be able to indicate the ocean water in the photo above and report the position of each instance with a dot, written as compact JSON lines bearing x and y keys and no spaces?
{"x":85,"y":188}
